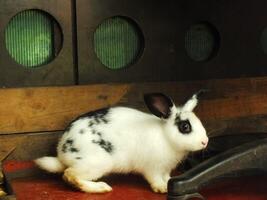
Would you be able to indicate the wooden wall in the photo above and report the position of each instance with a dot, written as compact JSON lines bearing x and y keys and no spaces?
{"x":33,"y":118}
{"x":164,"y":25}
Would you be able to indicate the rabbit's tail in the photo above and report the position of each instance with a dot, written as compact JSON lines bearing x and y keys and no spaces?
{"x":50,"y":164}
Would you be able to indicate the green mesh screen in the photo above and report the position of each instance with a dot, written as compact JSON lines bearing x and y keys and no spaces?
{"x":118,"y":42}
{"x":201,"y":42}
{"x":29,"y":38}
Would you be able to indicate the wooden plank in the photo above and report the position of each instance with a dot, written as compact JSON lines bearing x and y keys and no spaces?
{"x":29,"y":146}
{"x":6,"y":149}
{"x":239,"y":125}
{"x":51,"y":108}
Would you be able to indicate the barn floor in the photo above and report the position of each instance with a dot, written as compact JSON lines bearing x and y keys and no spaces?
{"x":28,"y":183}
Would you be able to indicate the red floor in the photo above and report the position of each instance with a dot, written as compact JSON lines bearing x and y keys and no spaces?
{"x":50,"y":187}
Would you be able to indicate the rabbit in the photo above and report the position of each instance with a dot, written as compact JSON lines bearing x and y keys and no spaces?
{"x":126,"y":140}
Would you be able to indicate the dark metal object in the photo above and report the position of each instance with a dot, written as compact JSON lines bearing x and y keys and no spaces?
{"x":187,"y":196}
{"x":250,"y":157}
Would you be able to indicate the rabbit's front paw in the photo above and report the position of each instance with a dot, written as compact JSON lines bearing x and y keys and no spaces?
{"x":159,"y":187}
{"x":158,"y":181}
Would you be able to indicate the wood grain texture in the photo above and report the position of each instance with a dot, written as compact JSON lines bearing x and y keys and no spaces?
{"x":52,"y":108}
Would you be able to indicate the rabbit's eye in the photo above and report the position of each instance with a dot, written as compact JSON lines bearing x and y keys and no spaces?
{"x":184,"y":126}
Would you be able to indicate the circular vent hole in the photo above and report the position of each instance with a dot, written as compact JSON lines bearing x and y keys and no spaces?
{"x":33,"y":38}
{"x":202,"y":42}
{"x":118,"y":42}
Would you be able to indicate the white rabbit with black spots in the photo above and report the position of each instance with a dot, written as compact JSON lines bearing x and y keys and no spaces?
{"x":125,"y":140}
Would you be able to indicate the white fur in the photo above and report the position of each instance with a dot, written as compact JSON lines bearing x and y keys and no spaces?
{"x":50,"y":164}
{"x":142,"y":144}
{"x":191,"y":104}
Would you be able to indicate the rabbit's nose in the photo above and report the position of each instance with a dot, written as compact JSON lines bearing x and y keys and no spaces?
{"x":205,"y":142}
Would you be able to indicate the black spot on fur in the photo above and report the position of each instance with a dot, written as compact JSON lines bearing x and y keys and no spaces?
{"x":101,"y":113}
{"x":97,"y":117}
{"x":68,"y":127}
{"x":64,"y":148}
{"x":177,"y":119}
{"x":106,"y":145}
{"x":105,"y":121}
{"x":94,"y":116}
{"x":68,"y":146}
{"x":91,"y":123}
{"x":81,"y":131}
{"x":78,"y":158}
{"x":97,"y":120}
{"x":69,"y":141}
{"x":94,"y":132}
{"x":73,"y":150}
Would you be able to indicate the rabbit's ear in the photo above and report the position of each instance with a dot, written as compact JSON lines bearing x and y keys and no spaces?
{"x":159,"y":104}
{"x":192,"y":102}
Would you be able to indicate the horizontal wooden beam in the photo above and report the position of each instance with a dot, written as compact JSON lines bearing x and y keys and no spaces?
{"x":52,"y":108}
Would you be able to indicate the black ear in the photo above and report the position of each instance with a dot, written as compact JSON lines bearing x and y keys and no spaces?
{"x":158,"y":104}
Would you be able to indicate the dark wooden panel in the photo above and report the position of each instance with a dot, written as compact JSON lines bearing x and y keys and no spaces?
{"x":58,"y":72}
{"x":229,"y":104}
{"x":164,"y":25}
{"x":28,"y":146}
{"x":239,"y":125}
